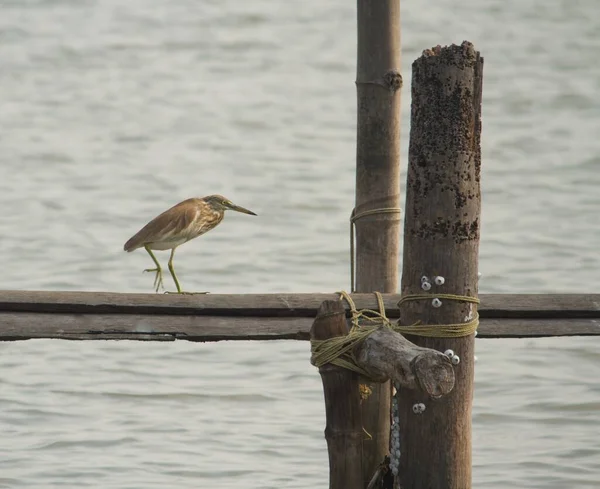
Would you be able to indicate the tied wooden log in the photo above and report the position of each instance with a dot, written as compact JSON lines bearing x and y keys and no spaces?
{"x":343,"y":430}
{"x":384,"y":355}
{"x":442,"y":226}
{"x":378,"y":83}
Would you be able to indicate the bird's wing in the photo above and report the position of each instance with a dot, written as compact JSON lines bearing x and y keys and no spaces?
{"x":173,"y":222}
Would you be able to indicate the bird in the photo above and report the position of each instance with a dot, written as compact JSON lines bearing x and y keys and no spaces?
{"x":178,"y":225}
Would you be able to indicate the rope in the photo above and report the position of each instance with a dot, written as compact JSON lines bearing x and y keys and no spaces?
{"x":452,"y":297}
{"x":340,"y":349}
{"x":455,"y":330}
{"x":353,"y":218}
{"x":366,"y":314}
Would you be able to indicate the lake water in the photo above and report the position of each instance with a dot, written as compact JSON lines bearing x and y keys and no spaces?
{"x":112,"y":111}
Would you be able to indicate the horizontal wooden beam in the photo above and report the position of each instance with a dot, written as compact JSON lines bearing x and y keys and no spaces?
{"x":159,"y":317}
{"x":149,"y":327}
{"x":160,"y":327}
{"x":522,"y":306}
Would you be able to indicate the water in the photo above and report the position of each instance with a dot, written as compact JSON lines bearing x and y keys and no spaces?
{"x":112,"y":111}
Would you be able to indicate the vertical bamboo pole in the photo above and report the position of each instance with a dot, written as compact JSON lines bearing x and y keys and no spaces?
{"x":377,"y":184}
{"x":343,"y":430}
{"x":442,"y":226}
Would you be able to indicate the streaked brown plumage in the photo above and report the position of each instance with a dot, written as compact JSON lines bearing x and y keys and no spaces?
{"x":180,"y":224}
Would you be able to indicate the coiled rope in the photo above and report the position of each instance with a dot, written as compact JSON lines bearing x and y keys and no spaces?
{"x":340,"y":349}
{"x":353,"y":218}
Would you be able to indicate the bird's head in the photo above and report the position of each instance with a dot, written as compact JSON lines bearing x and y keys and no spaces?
{"x":220,"y":203}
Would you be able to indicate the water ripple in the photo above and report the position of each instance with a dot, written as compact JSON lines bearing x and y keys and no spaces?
{"x":113,"y":111}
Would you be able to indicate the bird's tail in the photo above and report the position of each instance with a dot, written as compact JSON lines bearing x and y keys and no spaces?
{"x":130,"y":245}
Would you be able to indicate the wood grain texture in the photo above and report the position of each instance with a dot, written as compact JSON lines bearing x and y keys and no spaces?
{"x":387,"y":355}
{"x":378,"y":83}
{"x":150,"y":327}
{"x":441,"y":238}
{"x":551,"y":306}
{"x":343,"y":430}
{"x":21,"y":326}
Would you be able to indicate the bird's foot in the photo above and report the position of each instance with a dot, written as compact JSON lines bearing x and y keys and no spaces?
{"x":158,"y":278}
{"x":186,"y":293}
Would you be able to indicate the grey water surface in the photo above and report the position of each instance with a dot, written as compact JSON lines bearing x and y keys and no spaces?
{"x":112,"y":111}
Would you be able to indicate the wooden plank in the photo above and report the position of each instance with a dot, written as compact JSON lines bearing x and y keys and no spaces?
{"x":281,"y":305}
{"x":27,"y":325}
{"x":24,"y":326}
{"x":537,"y":328}
{"x":539,"y":305}
{"x":247,"y":305}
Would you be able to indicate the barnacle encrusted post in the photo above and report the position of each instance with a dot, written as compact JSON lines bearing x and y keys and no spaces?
{"x":441,"y":239}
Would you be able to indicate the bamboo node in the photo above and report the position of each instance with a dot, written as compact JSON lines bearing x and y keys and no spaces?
{"x":391,"y":80}
{"x":355,"y":216}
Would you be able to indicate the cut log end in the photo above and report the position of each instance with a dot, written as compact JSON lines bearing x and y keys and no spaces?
{"x":323,"y":326}
{"x":466,"y":49}
{"x":434,"y":373}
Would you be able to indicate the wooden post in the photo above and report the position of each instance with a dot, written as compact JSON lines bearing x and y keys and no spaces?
{"x":383,"y":355}
{"x":343,"y":430}
{"x":442,"y":226}
{"x":377,"y":184}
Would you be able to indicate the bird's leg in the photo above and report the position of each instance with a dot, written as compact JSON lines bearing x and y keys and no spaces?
{"x":172,"y":270}
{"x":158,"y":279}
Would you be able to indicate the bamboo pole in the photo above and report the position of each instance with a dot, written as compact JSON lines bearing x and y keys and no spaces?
{"x":442,"y":227}
{"x":377,"y":185}
{"x":343,"y":430}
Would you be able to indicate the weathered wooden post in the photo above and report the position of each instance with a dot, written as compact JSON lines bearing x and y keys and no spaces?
{"x":378,"y":82}
{"x":343,"y":430}
{"x":441,"y":239}
{"x":379,"y":355}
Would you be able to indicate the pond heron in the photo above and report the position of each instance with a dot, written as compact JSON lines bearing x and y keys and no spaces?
{"x":180,"y":224}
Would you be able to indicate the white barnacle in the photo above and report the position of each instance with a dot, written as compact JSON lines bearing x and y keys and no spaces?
{"x":418,"y":408}
{"x":469,"y":316}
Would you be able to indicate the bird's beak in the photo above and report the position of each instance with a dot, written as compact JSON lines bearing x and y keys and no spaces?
{"x":237,"y":208}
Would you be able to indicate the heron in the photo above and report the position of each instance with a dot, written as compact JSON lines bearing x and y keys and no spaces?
{"x":179,"y":224}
